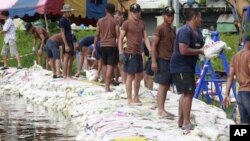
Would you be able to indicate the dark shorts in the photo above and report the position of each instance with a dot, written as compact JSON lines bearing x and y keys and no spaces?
{"x":243,"y":102}
{"x":148,"y":68}
{"x":71,"y":51}
{"x":184,"y":82}
{"x":110,"y":55}
{"x":52,"y":49}
{"x":133,"y":64}
{"x":163,"y":75}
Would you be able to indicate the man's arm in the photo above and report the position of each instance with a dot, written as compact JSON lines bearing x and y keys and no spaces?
{"x":154,"y":54}
{"x":186,"y":50}
{"x":120,"y":42}
{"x":64,"y":39}
{"x":97,"y":35}
{"x":147,"y":42}
{"x":229,"y":83}
{"x":42,"y":41}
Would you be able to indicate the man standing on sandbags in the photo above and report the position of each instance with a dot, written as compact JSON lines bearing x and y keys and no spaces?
{"x":9,"y":46}
{"x":107,"y":30}
{"x":66,"y":33}
{"x":164,"y":38}
{"x":134,"y":29}
{"x":42,"y":35}
{"x":188,"y":46}
{"x":240,"y":67}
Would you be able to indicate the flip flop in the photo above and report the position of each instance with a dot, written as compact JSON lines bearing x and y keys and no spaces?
{"x":4,"y":68}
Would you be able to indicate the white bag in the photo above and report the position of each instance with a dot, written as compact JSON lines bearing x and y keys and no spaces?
{"x":214,"y":49}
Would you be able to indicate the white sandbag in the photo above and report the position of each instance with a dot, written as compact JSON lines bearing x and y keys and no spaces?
{"x":91,"y":74}
{"x":213,"y":50}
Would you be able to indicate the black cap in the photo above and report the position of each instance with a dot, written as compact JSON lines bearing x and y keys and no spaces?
{"x":169,"y":11}
{"x":135,"y":8}
{"x":28,"y":26}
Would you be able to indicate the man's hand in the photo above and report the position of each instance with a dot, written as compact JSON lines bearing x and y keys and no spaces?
{"x":154,"y":67}
{"x":40,"y":51}
{"x":67,"y":49}
{"x":122,"y":58}
{"x":93,"y":52}
{"x":227,"y":101}
{"x":202,"y":50}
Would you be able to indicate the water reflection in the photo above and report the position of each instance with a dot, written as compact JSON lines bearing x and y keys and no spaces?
{"x":22,"y":121}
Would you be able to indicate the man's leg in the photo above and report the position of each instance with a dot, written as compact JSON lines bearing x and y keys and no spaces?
{"x":99,"y":69}
{"x":5,"y":61}
{"x":161,"y":98}
{"x":187,"y":104}
{"x":80,"y":65}
{"x":116,"y":73}
{"x":18,"y":61}
{"x":137,"y":82}
{"x":129,"y":80}
{"x":70,"y":63}
{"x":39,"y":58}
{"x":57,"y":66}
{"x":109,"y":71}
{"x":123,"y":74}
{"x":52,"y":66}
{"x":65,"y":64}
{"x":180,"y":111}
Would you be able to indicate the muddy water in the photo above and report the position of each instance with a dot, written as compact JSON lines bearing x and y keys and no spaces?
{"x":22,"y":121}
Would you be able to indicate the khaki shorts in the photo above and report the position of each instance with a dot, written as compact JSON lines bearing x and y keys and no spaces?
{"x":10,"y":48}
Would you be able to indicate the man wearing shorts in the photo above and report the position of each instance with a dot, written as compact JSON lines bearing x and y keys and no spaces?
{"x":53,"y":51}
{"x":9,"y":46}
{"x":164,"y":38}
{"x":40,"y":34}
{"x":131,"y":56}
{"x":66,"y":33}
{"x":188,"y":46}
{"x":107,"y":30}
{"x":240,"y":67}
{"x":82,"y":46}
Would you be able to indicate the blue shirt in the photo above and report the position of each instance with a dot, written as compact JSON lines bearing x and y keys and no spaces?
{"x":65,"y":24}
{"x":182,"y":63}
{"x":86,"y":42}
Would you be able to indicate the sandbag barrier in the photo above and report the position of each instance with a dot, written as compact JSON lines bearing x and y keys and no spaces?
{"x":104,"y":116}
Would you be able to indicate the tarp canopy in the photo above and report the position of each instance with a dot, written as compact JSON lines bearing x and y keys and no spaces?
{"x":20,"y":8}
{"x":86,"y":11}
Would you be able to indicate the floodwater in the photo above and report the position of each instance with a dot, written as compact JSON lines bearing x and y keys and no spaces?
{"x":22,"y":121}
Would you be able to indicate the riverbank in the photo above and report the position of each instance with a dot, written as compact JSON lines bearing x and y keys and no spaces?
{"x":106,"y":116}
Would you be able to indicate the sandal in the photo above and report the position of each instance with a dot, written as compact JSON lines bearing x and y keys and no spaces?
{"x":4,"y":68}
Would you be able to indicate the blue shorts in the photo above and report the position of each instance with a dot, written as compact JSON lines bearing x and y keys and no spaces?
{"x":148,"y":68}
{"x":133,"y":64}
{"x":47,"y":48}
{"x":163,"y":75}
{"x":98,"y":52}
{"x":53,"y":49}
{"x":243,"y":102}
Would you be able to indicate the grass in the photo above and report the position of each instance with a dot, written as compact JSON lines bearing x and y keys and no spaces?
{"x":24,"y":46}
